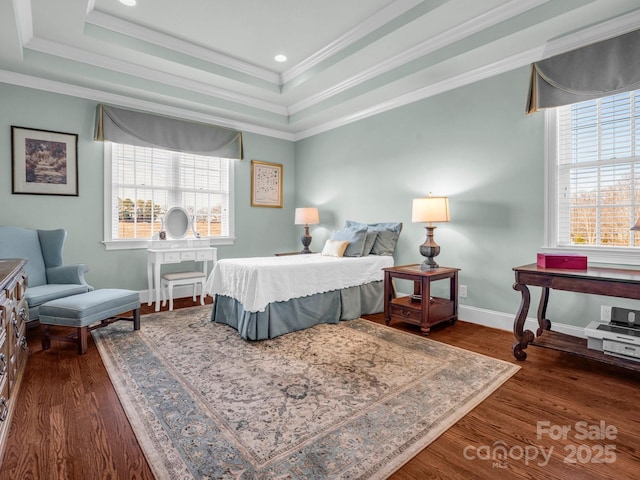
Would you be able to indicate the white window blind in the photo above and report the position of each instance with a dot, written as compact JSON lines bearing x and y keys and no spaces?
{"x":598,"y":172}
{"x":146,"y":182}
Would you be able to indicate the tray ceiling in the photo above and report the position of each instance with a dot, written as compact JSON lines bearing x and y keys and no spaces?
{"x":213,"y":60}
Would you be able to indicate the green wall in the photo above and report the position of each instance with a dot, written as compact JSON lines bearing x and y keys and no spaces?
{"x":473,"y":144}
{"x":259,"y":231}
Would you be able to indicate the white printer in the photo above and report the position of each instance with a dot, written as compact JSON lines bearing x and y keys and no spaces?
{"x":614,"y":339}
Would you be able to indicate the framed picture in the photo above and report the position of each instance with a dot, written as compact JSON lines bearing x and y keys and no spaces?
{"x":266,"y":184}
{"x":44,"y":162}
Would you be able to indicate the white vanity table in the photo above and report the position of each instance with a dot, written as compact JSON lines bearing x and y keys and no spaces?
{"x":162,"y":252}
{"x":176,"y":249}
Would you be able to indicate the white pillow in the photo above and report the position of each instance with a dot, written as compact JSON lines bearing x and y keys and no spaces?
{"x":334,"y":248}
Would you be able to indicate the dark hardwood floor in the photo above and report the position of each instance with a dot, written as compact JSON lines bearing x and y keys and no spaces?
{"x":70,"y":424}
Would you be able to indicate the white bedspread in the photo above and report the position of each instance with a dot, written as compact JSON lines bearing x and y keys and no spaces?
{"x":257,"y":281}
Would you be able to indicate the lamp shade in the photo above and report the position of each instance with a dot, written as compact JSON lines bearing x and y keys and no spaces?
{"x":307,"y":216}
{"x":430,"y":209}
{"x":636,"y":226}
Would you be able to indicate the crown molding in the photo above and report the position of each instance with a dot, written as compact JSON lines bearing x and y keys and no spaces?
{"x":603,"y":31}
{"x":450,"y":83}
{"x":61,"y":88}
{"x":596,"y":33}
{"x":109,"y":22}
{"x":24,"y":20}
{"x":466,"y":29}
{"x":101,"y":61}
{"x":372,"y":23}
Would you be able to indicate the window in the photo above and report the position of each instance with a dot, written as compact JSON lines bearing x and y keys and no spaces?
{"x":142,"y":183}
{"x":593,"y":180}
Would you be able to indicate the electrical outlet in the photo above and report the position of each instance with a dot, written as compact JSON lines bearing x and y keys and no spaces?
{"x":462,"y":291}
{"x":605,"y":313}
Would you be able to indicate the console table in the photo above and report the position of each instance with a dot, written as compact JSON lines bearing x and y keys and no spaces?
{"x":612,"y":282}
{"x":420,"y":308}
{"x":156,"y":257}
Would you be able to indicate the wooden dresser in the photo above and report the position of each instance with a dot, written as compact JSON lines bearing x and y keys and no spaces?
{"x":14,"y":314}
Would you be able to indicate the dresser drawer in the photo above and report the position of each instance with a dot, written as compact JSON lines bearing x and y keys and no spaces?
{"x":4,"y":358}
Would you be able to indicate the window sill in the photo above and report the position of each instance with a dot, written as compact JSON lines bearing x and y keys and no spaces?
{"x":144,"y":244}
{"x":614,"y":256}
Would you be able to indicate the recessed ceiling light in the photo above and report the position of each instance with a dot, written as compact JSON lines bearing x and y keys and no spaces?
{"x":281,"y":58}
{"x":128,"y":3}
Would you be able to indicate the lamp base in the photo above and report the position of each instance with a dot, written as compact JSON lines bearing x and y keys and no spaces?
{"x":306,"y":240}
{"x":429,"y":249}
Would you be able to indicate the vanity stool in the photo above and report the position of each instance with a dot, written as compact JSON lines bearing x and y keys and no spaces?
{"x":169,"y":280}
{"x":84,"y":310}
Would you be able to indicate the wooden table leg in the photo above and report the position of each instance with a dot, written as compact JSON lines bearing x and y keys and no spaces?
{"x":523,"y":337}
{"x":388,"y":295}
{"x":543,"y":322}
{"x":425,"y":292}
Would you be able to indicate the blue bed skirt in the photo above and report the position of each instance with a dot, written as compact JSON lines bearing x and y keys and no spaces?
{"x":299,"y":313}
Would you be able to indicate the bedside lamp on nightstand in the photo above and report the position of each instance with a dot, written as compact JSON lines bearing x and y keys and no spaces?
{"x":306,"y":216}
{"x":430,"y":209}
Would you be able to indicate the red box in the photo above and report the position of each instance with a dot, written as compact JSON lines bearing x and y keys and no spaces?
{"x":554,"y":260}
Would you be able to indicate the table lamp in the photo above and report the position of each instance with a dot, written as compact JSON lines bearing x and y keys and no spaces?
{"x":430,"y":209}
{"x":306,"y":216}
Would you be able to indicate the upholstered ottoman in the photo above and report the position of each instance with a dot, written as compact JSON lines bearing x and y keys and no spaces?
{"x":84,"y":310}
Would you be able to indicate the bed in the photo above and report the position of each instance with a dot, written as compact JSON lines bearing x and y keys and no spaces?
{"x":264,"y":297}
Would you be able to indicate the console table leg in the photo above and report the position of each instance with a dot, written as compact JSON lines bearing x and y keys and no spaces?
{"x":523,"y":337}
{"x":543,"y":322}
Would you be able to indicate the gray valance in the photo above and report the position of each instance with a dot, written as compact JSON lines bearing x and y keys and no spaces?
{"x":120,"y":125}
{"x":590,"y":72}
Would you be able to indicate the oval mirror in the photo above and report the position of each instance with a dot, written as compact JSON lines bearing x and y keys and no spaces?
{"x":177,"y":222}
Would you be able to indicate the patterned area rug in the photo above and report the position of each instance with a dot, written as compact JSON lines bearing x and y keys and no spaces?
{"x":353,"y":400}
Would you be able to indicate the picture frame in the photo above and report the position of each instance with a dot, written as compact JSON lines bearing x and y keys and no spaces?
{"x":266,"y":184}
{"x":44,"y":162}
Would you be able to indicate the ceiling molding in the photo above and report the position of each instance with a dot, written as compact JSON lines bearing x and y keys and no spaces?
{"x":596,"y":33}
{"x":100,"y":96}
{"x":66,"y":64}
{"x":450,"y":83}
{"x":612,"y":28}
{"x":371,"y":24}
{"x":24,"y":20}
{"x":102,"y":61}
{"x":466,"y":29}
{"x":109,"y":22}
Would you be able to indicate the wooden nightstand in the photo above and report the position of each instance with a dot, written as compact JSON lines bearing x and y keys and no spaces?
{"x":420,"y":308}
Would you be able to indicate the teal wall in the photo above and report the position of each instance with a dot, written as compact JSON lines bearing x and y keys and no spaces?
{"x":259,"y":231}
{"x":473,"y":144}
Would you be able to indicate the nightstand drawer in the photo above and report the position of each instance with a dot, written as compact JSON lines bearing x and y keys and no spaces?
{"x":409,"y":314}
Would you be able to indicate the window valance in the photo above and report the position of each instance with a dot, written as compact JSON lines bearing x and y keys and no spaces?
{"x":129,"y":127}
{"x":590,"y":72}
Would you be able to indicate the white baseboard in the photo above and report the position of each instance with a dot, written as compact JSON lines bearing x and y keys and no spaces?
{"x":504,"y":321}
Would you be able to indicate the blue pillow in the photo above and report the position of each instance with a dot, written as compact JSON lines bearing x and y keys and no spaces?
{"x":369,"y":241}
{"x":386,"y":238}
{"x":356,"y":236}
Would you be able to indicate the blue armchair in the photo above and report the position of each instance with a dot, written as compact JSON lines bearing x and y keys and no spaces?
{"x":48,"y":277}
